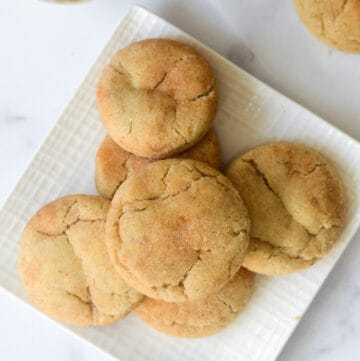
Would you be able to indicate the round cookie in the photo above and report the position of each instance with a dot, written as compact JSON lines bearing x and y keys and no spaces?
{"x":65,"y":267}
{"x":203,"y":317}
{"x":177,"y":230}
{"x":113,"y":164}
{"x":157,"y":97}
{"x":295,"y":203}
{"x":334,"y":22}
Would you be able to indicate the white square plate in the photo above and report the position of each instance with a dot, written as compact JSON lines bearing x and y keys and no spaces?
{"x":250,"y":113}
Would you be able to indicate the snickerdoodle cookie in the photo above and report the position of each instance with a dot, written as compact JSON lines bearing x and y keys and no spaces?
{"x":157,"y":97}
{"x":177,"y":230}
{"x":203,"y":317}
{"x":335,"y":22}
{"x":114,"y":164}
{"x":65,"y":267}
{"x":295,"y":202}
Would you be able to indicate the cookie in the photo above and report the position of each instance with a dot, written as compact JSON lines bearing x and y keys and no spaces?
{"x":177,"y":230}
{"x":65,"y":267}
{"x":295,"y":202}
{"x":157,"y":97}
{"x":208,"y":151}
{"x":334,"y":22}
{"x":113,"y":164}
{"x":203,"y":317}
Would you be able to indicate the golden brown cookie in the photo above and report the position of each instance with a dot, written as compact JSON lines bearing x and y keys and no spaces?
{"x":113,"y":164}
{"x":334,"y":22}
{"x":177,"y":230}
{"x":203,"y":317}
{"x":208,"y":151}
{"x":65,"y":267}
{"x":295,"y":203}
{"x":157,"y":97}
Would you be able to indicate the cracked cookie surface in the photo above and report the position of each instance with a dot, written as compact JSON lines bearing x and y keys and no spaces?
{"x":157,"y":97}
{"x":114,"y":164}
{"x":177,"y":230}
{"x":203,"y":317}
{"x":65,"y":267}
{"x":295,"y":202}
{"x":334,"y":22}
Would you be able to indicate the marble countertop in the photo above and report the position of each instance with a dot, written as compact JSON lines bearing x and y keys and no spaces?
{"x":48,"y":48}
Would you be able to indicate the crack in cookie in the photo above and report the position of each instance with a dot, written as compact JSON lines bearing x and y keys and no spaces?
{"x":65,"y":266}
{"x":180,"y":238}
{"x":203,"y":317}
{"x":160,"y":91}
{"x":295,"y":202}
{"x":333,"y":22}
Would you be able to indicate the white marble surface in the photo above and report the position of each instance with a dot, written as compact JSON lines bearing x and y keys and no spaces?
{"x":46,"y":51}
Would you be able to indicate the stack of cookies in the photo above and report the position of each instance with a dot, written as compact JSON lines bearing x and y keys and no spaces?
{"x":170,"y":235}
